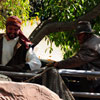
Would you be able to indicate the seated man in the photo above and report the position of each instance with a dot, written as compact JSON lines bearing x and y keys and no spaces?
{"x":17,"y":55}
{"x":16,"y":51}
{"x":89,"y":48}
{"x":88,"y":56}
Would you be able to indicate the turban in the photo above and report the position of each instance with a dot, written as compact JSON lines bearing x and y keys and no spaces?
{"x":14,"y":20}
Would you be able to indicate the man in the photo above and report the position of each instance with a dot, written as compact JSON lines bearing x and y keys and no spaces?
{"x":17,"y":55}
{"x":16,"y":51}
{"x":89,"y":48}
{"x":88,"y":56}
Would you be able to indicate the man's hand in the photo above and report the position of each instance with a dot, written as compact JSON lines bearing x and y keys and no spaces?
{"x":52,"y":64}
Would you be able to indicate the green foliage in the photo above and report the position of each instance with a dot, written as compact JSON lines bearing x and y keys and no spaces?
{"x":57,"y":10}
{"x":66,"y":10}
{"x":18,"y":8}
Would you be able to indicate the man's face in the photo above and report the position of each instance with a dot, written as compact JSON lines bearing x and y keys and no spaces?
{"x":81,"y":37}
{"x":12,"y":31}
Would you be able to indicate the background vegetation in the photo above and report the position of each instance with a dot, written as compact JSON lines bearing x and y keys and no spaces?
{"x":52,"y":11}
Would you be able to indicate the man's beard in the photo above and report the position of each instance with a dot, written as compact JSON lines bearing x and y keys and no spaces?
{"x":12,"y":35}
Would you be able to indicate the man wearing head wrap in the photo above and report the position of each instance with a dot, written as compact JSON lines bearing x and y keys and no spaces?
{"x":17,"y":55}
{"x":16,"y":51}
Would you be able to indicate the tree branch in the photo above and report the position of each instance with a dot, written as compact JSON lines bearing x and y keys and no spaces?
{"x":48,"y":27}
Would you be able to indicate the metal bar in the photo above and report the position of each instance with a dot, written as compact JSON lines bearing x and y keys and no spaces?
{"x":17,"y":74}
{"x":86,"y":94}
{"x":79,"y":73}
{"x":62,"y":72}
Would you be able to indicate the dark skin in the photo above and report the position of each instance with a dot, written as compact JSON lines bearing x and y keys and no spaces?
{"x":12,"y":32}
{"x":81,"y":37}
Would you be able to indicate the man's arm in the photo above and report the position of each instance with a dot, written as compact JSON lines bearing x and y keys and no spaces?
{"x":85,"y":55}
